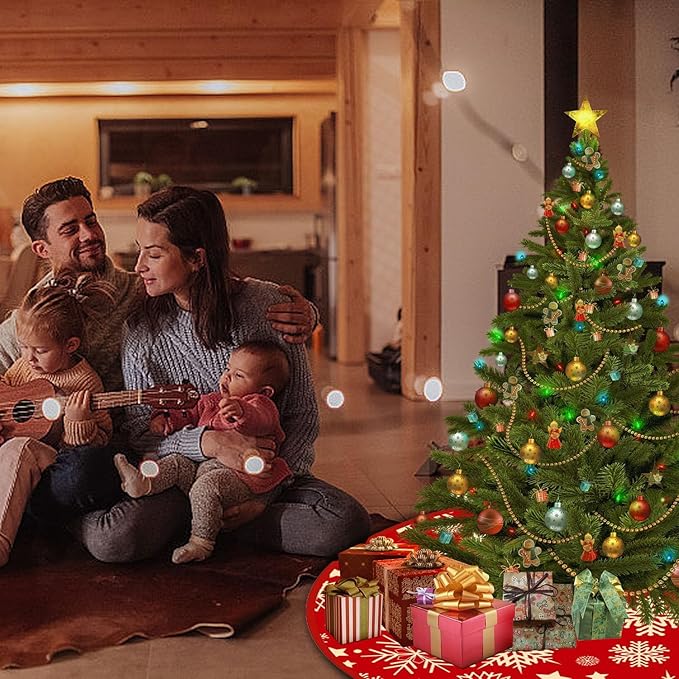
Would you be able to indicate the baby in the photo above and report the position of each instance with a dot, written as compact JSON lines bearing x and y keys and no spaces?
{"x":256,"y":371}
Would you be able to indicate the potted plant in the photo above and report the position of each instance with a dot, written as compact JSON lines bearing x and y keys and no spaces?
{"x":143,"y":183}
{"x":244,"y":184}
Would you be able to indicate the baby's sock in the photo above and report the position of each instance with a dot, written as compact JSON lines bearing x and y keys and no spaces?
{"x":134,"y":483}
{"x":196,"y":549}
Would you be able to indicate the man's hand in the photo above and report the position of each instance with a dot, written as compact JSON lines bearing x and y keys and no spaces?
{"x":78,"y":406}
{"x":232,"y":449}
{"x":295,"y":319}
{"x":239,"y":515}
{"x":230,"y":409}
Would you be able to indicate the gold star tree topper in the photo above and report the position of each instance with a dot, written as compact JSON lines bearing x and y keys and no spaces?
{"x":585,"y":118}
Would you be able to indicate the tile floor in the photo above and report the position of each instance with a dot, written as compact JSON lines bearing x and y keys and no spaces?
{"x":371,"y":447}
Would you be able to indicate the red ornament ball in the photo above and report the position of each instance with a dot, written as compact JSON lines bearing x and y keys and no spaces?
{"x":511,"y":300}
{"x":585,"y":231}
{"x":603,"y":284}
{"x":608,"y":435}
{"x":485,"y":396}
{"x":559,"y":367}
{"x":511,"y":531}
{"x":639,"y":509}
{"x":662,"y":341}
{"x":490,"y":521}
{"x":562,"y":225}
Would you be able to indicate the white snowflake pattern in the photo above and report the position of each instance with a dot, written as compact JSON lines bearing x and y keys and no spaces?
{"x":519,"y":660}
{"x":667,"y":675}
{"x":399,"y":658}
{"x":483,"y":675}
{"x":319,"y":602}
{"x":656,"y":628}
{"x":587,"y":660}
{"x":639,"y":654}
{"x":367,"y":675}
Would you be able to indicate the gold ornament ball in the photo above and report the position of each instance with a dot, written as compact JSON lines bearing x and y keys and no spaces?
{"x":511,"y":334}
{"x":613,"y":546}
{"x":458,"y":483}
{"x":587,"y":200}
{"x":634,"y":239}
{"x":552,"y":281}
{"x":659,"y":404}
{"x":576,"y":370}
{"x":530,"y":452}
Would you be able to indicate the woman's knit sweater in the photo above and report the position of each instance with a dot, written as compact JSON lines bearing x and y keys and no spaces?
{"x":174,"y":353}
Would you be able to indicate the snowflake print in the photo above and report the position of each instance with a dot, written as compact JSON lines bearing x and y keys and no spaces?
{"x":639,"y":654}
{"x":319,"y":602}
{"x":587,"y":660}
{"x":519,"y":660}
{"x":412,"y":661}
{"x":667,"y":675}
{"x":656,"y":628}
{"x":483,"y":675}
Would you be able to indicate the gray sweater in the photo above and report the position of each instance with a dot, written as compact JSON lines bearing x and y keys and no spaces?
{"x":175,"y":353}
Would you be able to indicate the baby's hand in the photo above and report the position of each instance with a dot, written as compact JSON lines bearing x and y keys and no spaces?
{"x":230,"y":409}
{"x":160,"y":425}
{"x":78,"y":406}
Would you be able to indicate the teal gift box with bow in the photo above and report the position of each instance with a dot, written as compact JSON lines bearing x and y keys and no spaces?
{"x":598,"y":606}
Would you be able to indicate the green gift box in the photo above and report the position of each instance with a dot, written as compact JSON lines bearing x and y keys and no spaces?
{"x":598,"y":606}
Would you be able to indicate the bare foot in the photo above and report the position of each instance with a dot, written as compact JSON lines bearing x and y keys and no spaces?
{"x":134,"y":483}
{"x":196,"y":549}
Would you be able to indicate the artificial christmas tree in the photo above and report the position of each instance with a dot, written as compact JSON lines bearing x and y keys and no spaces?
{"x":581,"y":452}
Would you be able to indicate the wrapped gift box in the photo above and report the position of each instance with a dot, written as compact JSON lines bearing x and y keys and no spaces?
{"x":463,"y":637}
{"x":359,"y":560}
{"x":534,"y":636}
{"x":399,"y":584}
{"x":353,"y":609}
{"x":598,"y":609}
{"x":533,"y":594}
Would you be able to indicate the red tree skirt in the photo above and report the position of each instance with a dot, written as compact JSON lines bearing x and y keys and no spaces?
{"x":644,"y":651}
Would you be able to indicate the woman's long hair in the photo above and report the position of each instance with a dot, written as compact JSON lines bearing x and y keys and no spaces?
{"x":195,"y":219}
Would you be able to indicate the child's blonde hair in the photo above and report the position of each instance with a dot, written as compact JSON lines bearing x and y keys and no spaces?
{"x":63,"y":307}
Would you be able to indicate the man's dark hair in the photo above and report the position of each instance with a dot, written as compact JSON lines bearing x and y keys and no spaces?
{"x":33,"y":213}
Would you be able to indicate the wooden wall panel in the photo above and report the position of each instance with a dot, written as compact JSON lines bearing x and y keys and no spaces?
{"x":421,"y":201}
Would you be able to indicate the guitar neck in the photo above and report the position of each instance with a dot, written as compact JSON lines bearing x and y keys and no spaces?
{"x":114,"y":399}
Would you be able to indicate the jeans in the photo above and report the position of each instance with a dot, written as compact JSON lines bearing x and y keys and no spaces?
{"x":309,"y":517}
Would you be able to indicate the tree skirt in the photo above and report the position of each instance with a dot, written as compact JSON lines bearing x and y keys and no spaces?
{"x":644,"y":651}
{"x":55,"y":597}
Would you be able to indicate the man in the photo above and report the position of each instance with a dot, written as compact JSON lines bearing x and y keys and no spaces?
{"x":309,"y":517}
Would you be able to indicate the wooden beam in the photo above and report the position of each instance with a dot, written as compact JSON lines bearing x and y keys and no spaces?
{"x":360,"y":13}
{"x":421,"y":196}
{"x":351,"y":313}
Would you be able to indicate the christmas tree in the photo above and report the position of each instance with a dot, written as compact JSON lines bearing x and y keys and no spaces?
{"x":568,"y":458}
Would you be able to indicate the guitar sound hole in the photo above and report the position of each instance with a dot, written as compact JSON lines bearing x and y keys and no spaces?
{"x":23,"y":411}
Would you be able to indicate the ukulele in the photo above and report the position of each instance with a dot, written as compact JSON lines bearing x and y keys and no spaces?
{"x":30,"y":410}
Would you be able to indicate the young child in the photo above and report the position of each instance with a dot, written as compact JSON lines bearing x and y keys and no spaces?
{"x":256,"y":371}
{"x":50,"y":326}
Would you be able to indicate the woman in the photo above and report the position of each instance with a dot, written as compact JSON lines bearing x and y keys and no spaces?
{"x":194,"y":314}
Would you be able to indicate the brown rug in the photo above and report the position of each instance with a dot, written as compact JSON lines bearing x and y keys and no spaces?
{"x":54,"y":597}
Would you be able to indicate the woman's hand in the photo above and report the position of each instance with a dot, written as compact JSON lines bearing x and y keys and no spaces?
{"x":295,"y":319}
{"x":78,"y":406}
{"x":232,"y":449}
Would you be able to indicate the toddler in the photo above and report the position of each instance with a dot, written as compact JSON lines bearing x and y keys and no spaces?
{"x":256,"y":371}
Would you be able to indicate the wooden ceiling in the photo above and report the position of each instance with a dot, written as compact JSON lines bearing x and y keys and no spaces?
{"x":178,"y":40}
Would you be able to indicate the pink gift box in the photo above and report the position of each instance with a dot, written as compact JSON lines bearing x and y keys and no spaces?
{"x":463,"y":637}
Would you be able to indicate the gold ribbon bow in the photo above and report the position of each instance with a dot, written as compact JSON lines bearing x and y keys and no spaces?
{"x":381,"y":543}
{"x":353,"y":587}
{"x":463,"y":589}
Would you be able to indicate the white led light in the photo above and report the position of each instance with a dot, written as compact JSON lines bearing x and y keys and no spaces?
{"x":454,"y":81}
{"x":254,"y":465}
{"x":51,"y":409}
{"x":335,"y":398}
{"x":433,"y":389}
{"x":149,"y":469}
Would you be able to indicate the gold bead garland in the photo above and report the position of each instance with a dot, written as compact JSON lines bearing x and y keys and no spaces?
{"x":542,"y":302}
{"x":587,"y":379}
{"x":568,"y":258}
{"x":601,"y":328}
{"x":641,"y":529}
{"x":515,"y":518}
{"x":646,"y":437}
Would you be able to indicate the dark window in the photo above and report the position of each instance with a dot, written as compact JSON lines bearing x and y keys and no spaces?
{"x":236,"y":155}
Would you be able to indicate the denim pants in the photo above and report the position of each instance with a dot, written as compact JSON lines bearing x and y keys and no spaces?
{"x":309,"y":517}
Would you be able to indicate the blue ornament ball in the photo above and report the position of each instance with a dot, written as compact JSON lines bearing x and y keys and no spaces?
{"x":599,"y":174}
{"x":479,"y":364}
{"x":532,"y":272}
{"x":603,"y":398}
{"x":568,"y":171}
{"x":668,"y":555}
{"x":531,"y":470}
{"x":662,"y":301}
{"x":617,"y":207}
{"x":458,"y":440}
